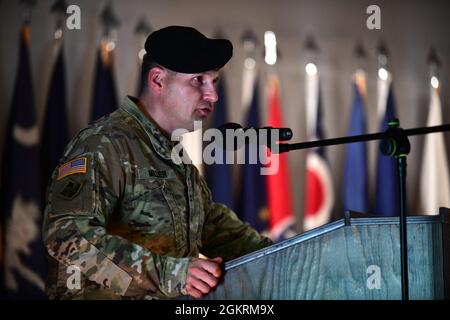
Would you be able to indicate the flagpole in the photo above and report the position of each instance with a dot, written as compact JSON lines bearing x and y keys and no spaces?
{"x":435,"y":177}
{"x":141,"y":30}
{"x":104,"y":95}
{"x":59,"y":10}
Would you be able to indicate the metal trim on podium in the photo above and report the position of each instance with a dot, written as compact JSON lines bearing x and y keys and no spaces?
{"x":342,"y":260}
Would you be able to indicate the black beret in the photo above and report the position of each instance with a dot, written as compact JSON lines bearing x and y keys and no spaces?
{"x":186,"y":50}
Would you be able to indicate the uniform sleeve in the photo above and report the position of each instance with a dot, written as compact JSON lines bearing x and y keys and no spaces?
{"x":78,"y":208}
{"x":224,"y":234}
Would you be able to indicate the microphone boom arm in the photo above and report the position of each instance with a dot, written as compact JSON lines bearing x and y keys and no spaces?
{"x":286,"y":147}
{"x":395,"y":144}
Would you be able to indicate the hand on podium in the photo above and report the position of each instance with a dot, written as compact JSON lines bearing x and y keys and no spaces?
{"x":202,"y":276}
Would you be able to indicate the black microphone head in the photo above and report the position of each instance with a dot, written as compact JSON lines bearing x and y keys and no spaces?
{"x":285,"y":134}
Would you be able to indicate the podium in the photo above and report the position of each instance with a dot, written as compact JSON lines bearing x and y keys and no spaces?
{"x":355,"y":258}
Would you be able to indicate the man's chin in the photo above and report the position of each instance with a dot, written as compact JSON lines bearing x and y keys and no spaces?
{"x":197,"y":123}
{"x":201,"y":118}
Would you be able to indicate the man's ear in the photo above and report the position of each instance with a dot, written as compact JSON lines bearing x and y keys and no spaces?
{"x":155,"y":78}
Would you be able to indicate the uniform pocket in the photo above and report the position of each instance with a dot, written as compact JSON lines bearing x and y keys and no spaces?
{"x":177,"y":216}
{"x":153,"y":212}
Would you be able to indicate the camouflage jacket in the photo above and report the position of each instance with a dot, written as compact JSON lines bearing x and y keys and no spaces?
{"x":122,"y":220}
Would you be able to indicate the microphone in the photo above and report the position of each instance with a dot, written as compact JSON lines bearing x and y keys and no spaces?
{"x":282,"y":134}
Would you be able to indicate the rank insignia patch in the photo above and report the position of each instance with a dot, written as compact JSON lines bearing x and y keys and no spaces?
{"x":75,"y":166}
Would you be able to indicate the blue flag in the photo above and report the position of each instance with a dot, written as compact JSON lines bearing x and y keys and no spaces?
{"x":217,"y":175}
{"x":387,"y":201}
{"x":55,"y":128}
{"x":355,"y":170}
{"x":252,"y":206}
{"x":24,"y":265}
{"x":104,"y":98}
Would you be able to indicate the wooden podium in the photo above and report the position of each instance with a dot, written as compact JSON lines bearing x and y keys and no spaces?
{"x":357,"y":257}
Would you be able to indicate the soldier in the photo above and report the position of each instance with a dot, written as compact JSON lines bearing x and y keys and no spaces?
{"x":122,"y":219}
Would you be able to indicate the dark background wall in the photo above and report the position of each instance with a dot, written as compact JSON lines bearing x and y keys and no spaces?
{"x":409,"y":28}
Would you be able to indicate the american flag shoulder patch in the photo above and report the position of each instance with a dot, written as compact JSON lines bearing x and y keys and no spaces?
{"x":78,"y":165}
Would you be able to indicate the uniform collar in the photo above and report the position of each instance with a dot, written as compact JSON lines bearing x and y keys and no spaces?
{"x":162,"y":145}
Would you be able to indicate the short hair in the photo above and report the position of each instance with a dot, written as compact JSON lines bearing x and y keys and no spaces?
{"x":147,"y":64}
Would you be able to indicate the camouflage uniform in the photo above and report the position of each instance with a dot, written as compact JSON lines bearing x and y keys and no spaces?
{"x":130,"y":219}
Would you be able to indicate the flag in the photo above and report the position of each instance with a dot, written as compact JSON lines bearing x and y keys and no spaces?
{"x":141,"y":78}
{"x":24,"y":265}
{"x":355,"y":170}
{"x":55,"y":128}
{"x":252,"y":207}
{"x":386,"y":194}
{"x":435,"y":184}
{"x":281,"y":213}
{"x":319,"y":192}
{"x":218,"y":175}
{"x":104,"y":99}
{"x":140,"y":82}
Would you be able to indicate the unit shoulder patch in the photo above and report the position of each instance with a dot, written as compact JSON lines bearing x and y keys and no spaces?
{"x":70,"y":189}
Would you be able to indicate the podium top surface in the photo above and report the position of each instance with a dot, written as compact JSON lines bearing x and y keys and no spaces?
{"x":350,"y":219}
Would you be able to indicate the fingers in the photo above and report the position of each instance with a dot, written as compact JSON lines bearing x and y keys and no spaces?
{"x":212,"y":267}
{"x":202,"y":276}
{"x":218,"y":260}
{"x":193,"y":291}
{"x":200,"y":285}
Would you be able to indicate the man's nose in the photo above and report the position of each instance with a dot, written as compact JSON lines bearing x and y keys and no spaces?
{"x":210,"y":94}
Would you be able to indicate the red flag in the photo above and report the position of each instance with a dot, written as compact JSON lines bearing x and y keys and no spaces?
{"x":319,"y":199}
{"x":278,"y":185}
